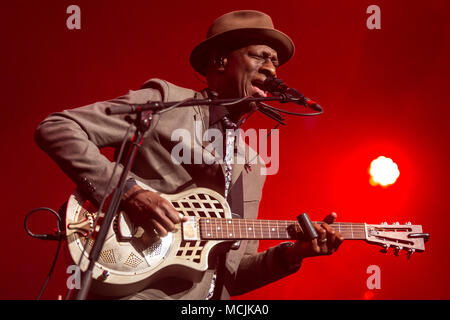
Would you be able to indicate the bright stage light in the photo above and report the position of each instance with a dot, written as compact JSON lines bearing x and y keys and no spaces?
{"x":383,"y":171}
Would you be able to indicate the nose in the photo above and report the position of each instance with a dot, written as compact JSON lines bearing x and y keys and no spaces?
{"x":268,"y":69}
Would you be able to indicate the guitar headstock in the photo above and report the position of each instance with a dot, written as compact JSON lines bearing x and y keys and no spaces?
{"x":397,"y":236}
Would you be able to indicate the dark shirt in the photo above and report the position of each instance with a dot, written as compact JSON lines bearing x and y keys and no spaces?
{"x":212,"y":176}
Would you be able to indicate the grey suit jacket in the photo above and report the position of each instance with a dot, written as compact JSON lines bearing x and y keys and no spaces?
{"x":73,"y":138}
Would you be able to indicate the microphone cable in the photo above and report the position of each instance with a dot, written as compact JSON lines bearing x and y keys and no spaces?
{"x":57,"y":236}
{"x":290,"y":112}
{"x":278,"y":88}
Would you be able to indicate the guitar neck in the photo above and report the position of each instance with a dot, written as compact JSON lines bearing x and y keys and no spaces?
{"x":240,"y":229}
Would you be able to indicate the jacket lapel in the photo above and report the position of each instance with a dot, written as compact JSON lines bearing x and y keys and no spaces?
{"x":240,"y":158}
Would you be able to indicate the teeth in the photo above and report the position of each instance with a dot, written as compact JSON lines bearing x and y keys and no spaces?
{"x":259,"y":91}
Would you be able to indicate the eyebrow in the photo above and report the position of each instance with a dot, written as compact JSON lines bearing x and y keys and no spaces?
{"x":273,"y":57}
{"x":268,"y":54}
{"x":267,"y":51}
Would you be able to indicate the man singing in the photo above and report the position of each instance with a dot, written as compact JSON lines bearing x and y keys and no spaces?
{"x":241,"y":51}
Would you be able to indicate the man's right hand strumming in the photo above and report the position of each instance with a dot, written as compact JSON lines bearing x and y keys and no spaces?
{"x":149,"y":210}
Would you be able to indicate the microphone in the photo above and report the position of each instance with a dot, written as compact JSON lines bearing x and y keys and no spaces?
{"x":277,"y":87}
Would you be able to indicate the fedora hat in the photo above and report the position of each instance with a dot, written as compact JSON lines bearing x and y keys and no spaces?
{"x":238,"y":29}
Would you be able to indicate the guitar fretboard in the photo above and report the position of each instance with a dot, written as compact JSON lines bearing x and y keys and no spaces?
{"x":237,"y":229}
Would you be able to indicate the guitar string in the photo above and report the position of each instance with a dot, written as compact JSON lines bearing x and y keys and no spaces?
{"x":272,"y":224}
{"x":353,"y":234}
{"x":275,"y":224}
{"x":268,"y":228}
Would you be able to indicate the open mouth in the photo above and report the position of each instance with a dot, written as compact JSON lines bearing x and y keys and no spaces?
{"x":258,"y":89}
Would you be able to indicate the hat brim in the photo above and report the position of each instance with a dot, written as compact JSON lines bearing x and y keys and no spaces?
{"x":238,"y":38}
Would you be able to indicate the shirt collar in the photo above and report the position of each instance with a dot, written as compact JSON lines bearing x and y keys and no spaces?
{"x":216,"y":113}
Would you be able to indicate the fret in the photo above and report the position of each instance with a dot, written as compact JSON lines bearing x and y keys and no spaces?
{"x":271,"y":229}
{"x":246,"y":230}
{"x":239,"y":222}
{"x":260,"y":227}
{"x":213,"y":228}
{"x":232,"y":227}
{"x":208,"y":223}
{"x":278,"y":229}
{"x":270,"y":235}
{"x":254,"y":236}
{"x":225,"y":227}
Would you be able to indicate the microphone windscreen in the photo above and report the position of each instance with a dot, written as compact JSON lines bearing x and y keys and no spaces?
{"x":274,"y":85}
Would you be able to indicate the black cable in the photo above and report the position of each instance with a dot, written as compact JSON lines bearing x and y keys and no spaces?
{"x":235,"y":102}
{"x":58,"y":236}
{"x":271,"y":114}
{"x":174,"y":106}
{"x":290,"y":112}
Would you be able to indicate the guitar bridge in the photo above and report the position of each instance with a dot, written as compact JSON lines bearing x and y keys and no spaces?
{"x":190,"y":229}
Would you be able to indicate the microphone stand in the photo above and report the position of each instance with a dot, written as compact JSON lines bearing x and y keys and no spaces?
{"x":142,"y":122}
{"x":158,"y":105}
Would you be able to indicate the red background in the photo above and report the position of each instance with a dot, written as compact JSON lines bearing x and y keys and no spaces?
{"x":385,"y":92}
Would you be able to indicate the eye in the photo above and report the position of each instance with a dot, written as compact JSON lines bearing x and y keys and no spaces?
{"x":257,"y":56}
{"x":265,"y":56}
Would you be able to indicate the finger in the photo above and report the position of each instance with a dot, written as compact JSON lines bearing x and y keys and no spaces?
{"x":160,"y":209}
{"x":331,"y":237}
{"x":315,"y":248}
{"x":331,"y":218}
{"x":160,"y":230}
{"x":330,"y":232}
{"x":338,"y":241}
{"x":159,"y":215}
{"x":321,"y":232}
{"x":171,"y":212}
{"x":321,"y":240}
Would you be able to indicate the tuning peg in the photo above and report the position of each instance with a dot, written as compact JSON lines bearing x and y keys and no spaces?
{"x":385,"y":248}
{"x":384,"y":223}
{"x":396,"y":223}
{"x":410,"y":252}
{"x":397,"y":250}
{"x":408,"y":223}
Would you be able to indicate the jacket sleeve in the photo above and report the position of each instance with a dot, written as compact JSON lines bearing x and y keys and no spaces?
{"x":72,"y":138}
{"x":256,"y":269}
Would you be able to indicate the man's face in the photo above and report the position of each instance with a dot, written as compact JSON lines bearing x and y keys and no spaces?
{"x":245,"y":71}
